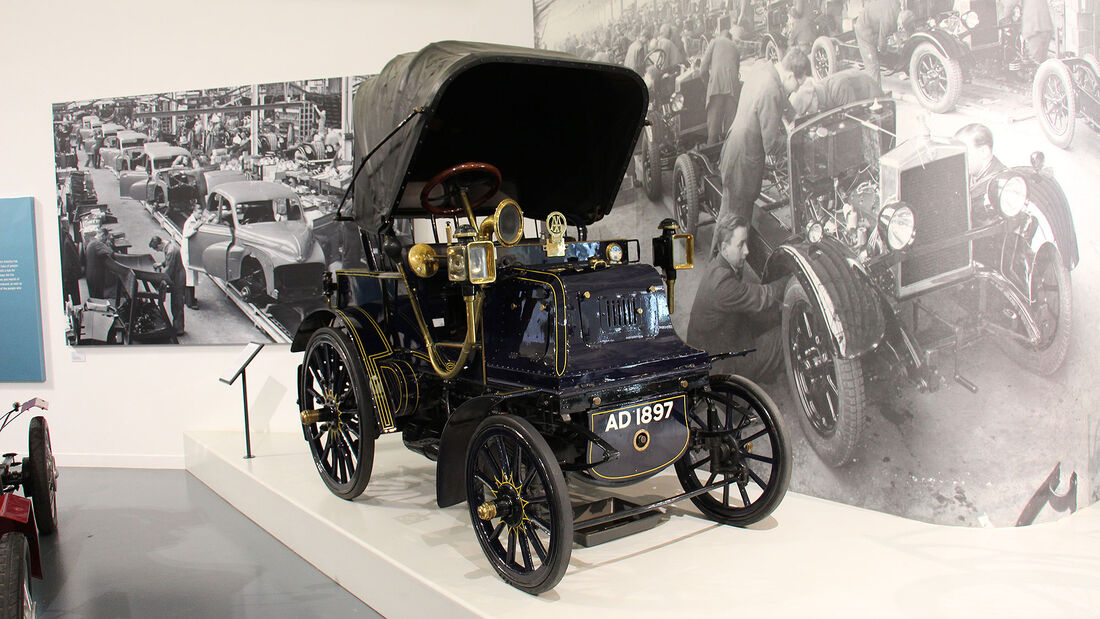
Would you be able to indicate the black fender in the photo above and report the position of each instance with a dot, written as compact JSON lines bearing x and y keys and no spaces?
{"x":1051,"y":205}
{"x":848,"y":302}
{"x":315,"y":320}
{"x":450,"y":468}
{"x":948,"y":44}
{"x":391,"y":381}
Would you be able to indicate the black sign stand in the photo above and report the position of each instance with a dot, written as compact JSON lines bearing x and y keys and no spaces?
{"x":238,"y":369}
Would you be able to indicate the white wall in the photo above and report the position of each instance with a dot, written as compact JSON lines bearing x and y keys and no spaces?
{"x":129,"y":407}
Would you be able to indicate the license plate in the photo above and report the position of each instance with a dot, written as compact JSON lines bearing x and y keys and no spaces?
{"x":649,"y":435}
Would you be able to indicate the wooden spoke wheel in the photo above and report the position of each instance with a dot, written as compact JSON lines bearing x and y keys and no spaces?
{"x":340,"y":428}
{"x":737,"y":436}
{"x":519,"y":503}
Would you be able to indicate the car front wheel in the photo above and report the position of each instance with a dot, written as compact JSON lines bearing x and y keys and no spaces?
{"x":936,"y":78}
{"x":687,"y":194}
{"x":1051,"y":310}
{"x":1055,"y":102}
{"x":519,"y":503}
{"x":829,"y":390}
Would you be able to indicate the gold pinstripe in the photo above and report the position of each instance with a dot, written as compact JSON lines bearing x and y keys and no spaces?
{"x":374,"y":379}
{"x":561,"y":351}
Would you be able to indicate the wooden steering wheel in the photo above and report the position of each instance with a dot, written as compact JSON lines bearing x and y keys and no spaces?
{"x":450,"y":202}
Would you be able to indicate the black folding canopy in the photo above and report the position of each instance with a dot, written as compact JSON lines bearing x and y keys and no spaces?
{"x":561,"y":130}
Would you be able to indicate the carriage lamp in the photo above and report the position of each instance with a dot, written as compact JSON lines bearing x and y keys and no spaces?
{"x":971,"y":19}
{"x":456,"y":263}
{"x":1009,"y":195}
{"x":422,"y":260}
{"x":481,"y":260}
{"x":900,"y":225}
{"x":672,"y":252}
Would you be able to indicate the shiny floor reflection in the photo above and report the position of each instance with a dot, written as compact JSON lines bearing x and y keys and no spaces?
{"x":159,"y":543}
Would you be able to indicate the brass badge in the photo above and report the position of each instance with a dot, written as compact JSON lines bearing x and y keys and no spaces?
{"x":555,"y":226}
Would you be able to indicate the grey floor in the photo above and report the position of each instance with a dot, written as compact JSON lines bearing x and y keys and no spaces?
{"x":159,"y":543}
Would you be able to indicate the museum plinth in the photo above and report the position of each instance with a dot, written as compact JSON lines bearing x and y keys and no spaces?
{"x":402,"y":555}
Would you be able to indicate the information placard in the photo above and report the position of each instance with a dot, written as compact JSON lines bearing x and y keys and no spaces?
{"x":20,"y":312}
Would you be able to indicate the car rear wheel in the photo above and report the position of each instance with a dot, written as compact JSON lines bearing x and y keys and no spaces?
{"x":42,"y":476}
{"x":651,"y":170}
{"x":771,"y":51}
{"x":823,"y":57}
{"x":936,"y":78}
{"x":687,"y":194}
{"x":15,"y":577}
{"x":337,"y":413}
{"x":829,"y":390}
{"x":1052,"y":311}
{"x":737,"y":435}
{"x":519,"y":503}
{"x":1055,"y":102}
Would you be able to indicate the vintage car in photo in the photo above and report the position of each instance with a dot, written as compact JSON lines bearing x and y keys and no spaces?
{"x":1066,"y":89}
{"x":150,"y":174}
{"x":260,"y":243}
{"x":941,"y":52}
{"x":677,"y":119}
{"x":896,"y":267}
{"x":511,"y":359}
{"x":121,"y":149}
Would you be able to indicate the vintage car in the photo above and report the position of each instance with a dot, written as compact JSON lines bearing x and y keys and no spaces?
{"x":133,"y":313}
{"x":941,"y":52}
{"x":677,"y":119}
{"x":90,"y":128}
{"x":512,"y":360}
{"x":23,"y":518}
{"x":151,"y":171}
{"x":260,"y":243}
{"x":870,"y":231}
{"x":121,"y":149}
{"x":1064,"y":89}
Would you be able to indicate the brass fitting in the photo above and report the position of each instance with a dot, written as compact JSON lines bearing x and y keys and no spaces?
{"x":487,"y":510}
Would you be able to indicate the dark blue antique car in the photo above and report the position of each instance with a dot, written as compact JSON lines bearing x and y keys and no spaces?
{"x":508,"y":356}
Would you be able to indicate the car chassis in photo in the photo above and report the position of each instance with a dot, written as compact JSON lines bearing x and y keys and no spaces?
{"x":516,"y":360}
{"x":873,"y":233}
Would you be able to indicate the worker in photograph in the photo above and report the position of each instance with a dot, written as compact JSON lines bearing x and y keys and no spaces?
{"x":873,"y":27}
{"x":722,"y":65}
{"x":97,"y":257}
{"x":982,"y":164}
{"x":194,"y":221}
{"x":836,"y":90}
{"x":757,"y":129}
{"x":172,"y":267}
{"x":1036,"y":26}
{"x":731,"y":314}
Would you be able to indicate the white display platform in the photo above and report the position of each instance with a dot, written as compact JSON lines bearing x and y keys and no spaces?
{"x":405,"y":557}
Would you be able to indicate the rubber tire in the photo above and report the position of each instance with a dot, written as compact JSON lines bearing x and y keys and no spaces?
{"x":952,"y":71}
{"x":1048,"y":360}
{"x":835,"y":450}
{"x":651,"y":170}
{"x":558,"y":555}
{"x":367,"y":424}
{"x":687,"y":202}
{"x":1054,"y":69}
{"x":15,"y":577}
{"x":772,"y":52}
{"x":759,"y":510}
{"x":825,"y":46}
{"x":42,"y":476}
